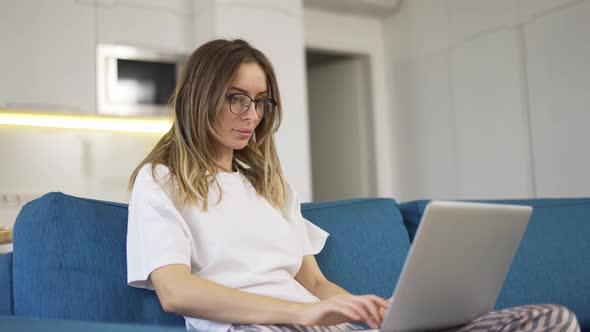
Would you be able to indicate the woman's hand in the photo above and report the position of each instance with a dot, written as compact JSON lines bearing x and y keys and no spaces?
{"x":344,"y":308}
{"x":382,"y":310}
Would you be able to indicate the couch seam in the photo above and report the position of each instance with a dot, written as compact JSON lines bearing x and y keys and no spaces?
{"x":113,"y":204}
{"x":536,"y":205}
{"x":559,"y":205}
{"x":507,"y":201}
{"x":311,"y":208}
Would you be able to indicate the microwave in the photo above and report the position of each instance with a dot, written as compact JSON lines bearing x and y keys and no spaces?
{"x":132,"y":81}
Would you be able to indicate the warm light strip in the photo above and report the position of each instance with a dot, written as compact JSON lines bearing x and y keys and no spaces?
{"x":126,"y":124}
{"x":5,"y":236}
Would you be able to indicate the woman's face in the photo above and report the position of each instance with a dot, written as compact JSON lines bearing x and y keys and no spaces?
{"x":233,"y":130}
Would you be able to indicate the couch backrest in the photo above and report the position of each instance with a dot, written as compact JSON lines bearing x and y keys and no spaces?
{"x":69,"y":262}
{"x":552,"y":264}
{"x":367,"y":246}
{"x":6,"y":298}
{"x":69,"y":257}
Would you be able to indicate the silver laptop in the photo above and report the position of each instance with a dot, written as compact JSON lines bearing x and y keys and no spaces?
{"x":456,"y":265}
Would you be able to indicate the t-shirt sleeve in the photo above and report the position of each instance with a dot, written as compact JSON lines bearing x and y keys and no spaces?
{"x":157,"y":234}
{"x":313,"y":237}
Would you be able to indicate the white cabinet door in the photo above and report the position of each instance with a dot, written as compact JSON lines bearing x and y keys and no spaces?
{"x":47,"y":55}
{"x":155,"y":24}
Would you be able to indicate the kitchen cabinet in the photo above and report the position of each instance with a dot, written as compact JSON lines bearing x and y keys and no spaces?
{"x":154,"y":24}
{"x":47,"y":55}
{"x":48,"y":47}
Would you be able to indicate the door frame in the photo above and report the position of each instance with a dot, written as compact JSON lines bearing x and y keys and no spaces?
{"x":345,"y":33}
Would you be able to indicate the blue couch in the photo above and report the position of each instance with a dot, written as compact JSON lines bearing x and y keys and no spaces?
{"x":69,"y":260}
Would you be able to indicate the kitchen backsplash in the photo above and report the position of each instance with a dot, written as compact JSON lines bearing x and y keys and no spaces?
{"x":85,"y":163}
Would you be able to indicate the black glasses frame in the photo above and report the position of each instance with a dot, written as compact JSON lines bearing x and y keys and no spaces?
{"x":230,"y":96}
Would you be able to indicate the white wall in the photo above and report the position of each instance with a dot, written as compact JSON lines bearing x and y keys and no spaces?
{"x":488,"y":99}
{"x":558,"y":66}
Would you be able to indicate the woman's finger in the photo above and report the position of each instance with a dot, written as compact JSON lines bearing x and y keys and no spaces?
{"x":359,"y":309}
{"x":382,"y":312}
{"x":369,"y":307}
{"x":382,"y":306}
{"x":380,"y":301}
{"x":344,"y":310}
{"x":352,"y":303}
{"x":373,"y":308}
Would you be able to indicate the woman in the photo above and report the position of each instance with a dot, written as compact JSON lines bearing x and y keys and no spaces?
{"x":216,"y":230}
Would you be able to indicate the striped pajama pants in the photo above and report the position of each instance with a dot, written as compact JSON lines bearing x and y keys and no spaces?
{"x":534,"y":318}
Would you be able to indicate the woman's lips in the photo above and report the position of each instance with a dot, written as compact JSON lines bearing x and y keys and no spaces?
{"x":243,"y":133}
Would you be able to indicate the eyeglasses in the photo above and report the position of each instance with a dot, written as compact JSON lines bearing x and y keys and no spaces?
{"x":240,"y":103}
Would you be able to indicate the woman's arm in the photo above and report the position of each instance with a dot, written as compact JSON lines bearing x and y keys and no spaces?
{"x":312,"y":278}
{"x":182,"y":293}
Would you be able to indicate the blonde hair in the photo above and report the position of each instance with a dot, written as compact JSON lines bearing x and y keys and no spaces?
{"x":187,"y":149}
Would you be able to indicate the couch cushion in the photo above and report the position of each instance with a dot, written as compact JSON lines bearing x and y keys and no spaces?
{"x":367,"y":245}
{"x":412,"y":214}
{"x":70,"y":263}
{"x":552,"y":264}
{"x":6,"y":299}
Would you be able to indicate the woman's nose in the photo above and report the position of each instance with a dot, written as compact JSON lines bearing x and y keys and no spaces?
{"x":250,"y":112}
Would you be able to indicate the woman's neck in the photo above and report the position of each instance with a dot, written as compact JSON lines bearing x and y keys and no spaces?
{"x":225,"y":161}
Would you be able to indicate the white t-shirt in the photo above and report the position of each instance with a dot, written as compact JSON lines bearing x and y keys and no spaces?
{"x":243,"y":242}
